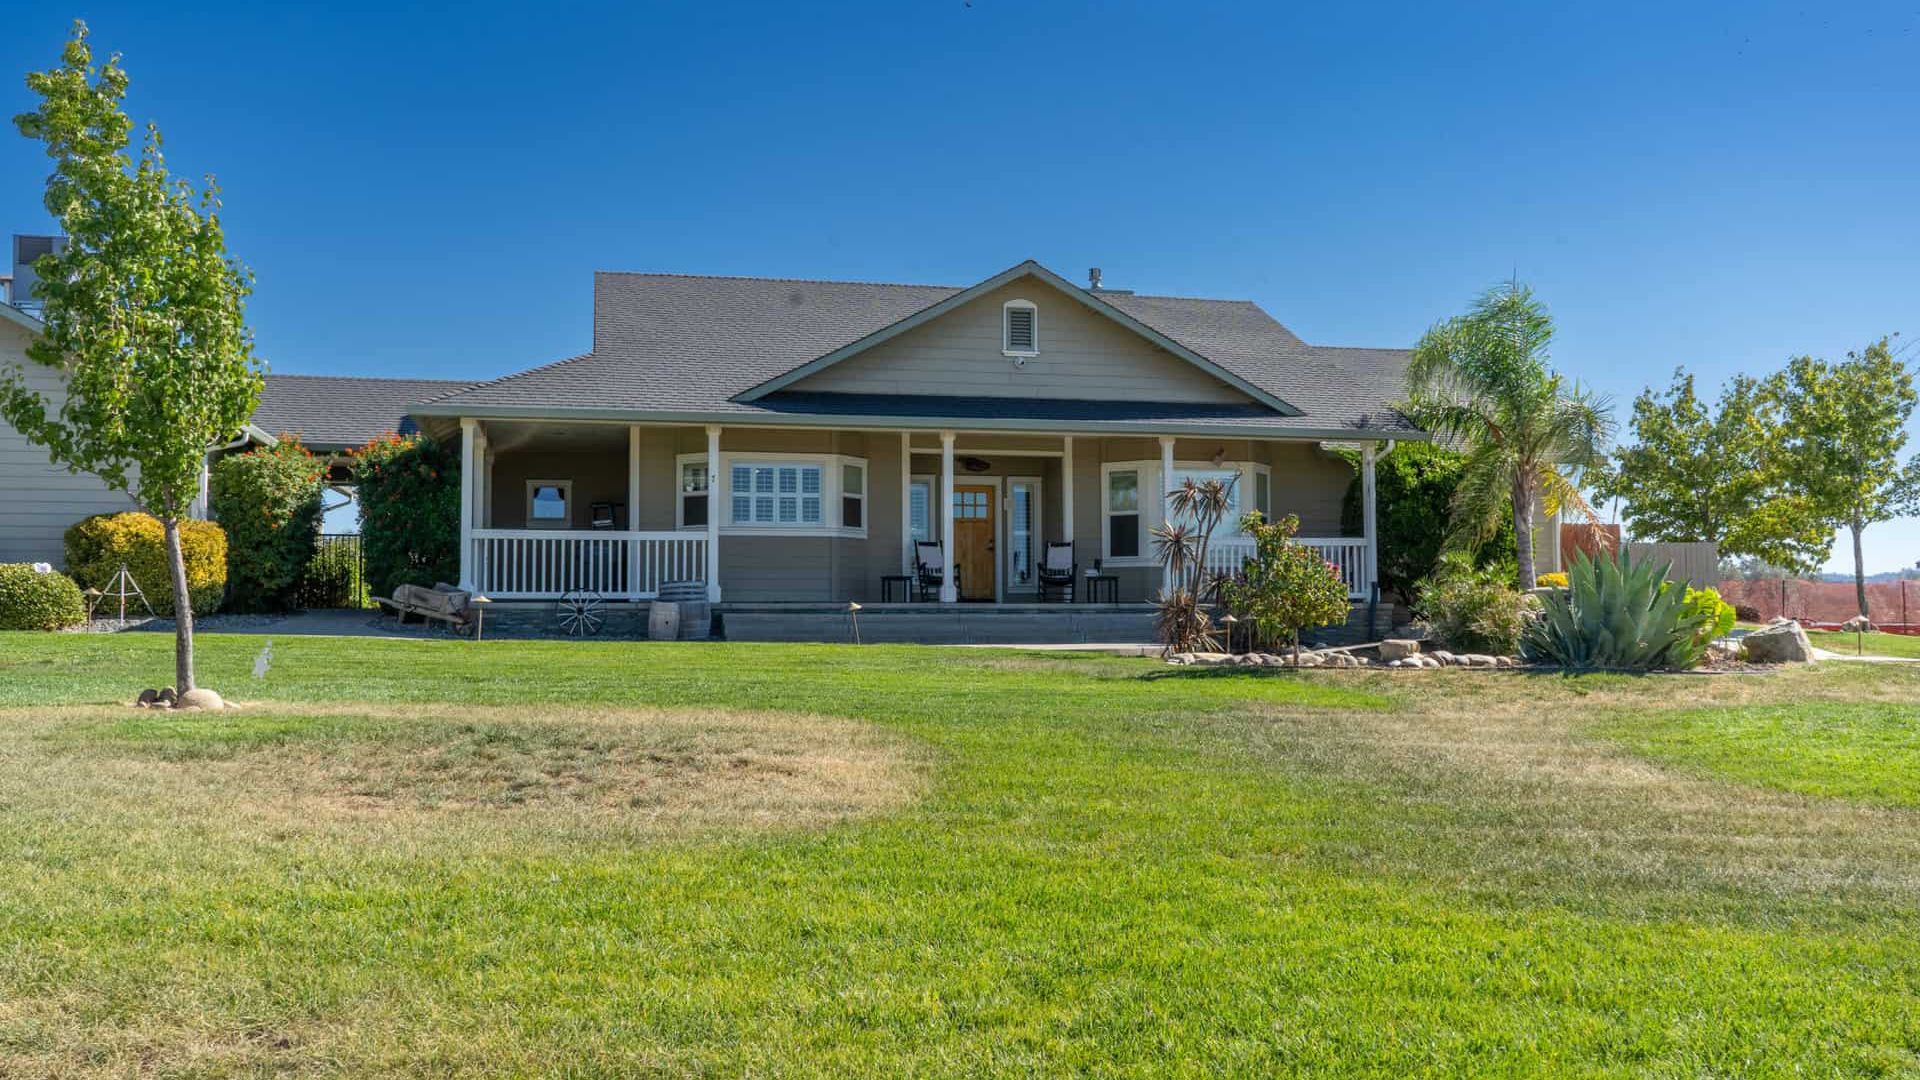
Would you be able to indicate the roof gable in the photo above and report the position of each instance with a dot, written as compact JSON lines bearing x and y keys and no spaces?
{"x":1056,"y":286}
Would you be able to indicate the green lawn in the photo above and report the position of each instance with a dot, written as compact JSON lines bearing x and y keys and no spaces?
{"x":439,"y":858}
{"x":1872,"y":644}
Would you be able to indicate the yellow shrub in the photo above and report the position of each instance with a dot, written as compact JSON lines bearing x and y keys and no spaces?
{"x":97,"y":546}
{"x":1551,"y":581}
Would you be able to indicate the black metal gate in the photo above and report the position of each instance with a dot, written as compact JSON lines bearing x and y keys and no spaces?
{"x":337,"y":576}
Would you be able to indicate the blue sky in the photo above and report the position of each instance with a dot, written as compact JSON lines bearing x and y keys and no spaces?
{"x":428,"y":192}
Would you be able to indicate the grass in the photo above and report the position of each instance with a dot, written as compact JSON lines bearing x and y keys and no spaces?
{"x":1875,"y":644}
{"x":584,"y":859}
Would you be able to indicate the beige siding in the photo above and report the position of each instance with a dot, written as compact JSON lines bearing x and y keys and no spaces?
{"x":41,"y":499}
{"x":1082,"y":355}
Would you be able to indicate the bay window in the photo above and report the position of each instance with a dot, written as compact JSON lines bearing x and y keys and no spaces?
{"x":786,"y":492}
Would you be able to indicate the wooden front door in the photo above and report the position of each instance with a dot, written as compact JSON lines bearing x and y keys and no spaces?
{"x":973,"y":540}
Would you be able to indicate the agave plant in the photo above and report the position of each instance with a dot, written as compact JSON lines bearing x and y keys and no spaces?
{"x":1616,"y":614}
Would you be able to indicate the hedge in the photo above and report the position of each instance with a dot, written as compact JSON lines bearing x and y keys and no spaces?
{"x":35,"y":599}
{"x":269,"y":503}
{"x":409,"y":494}
{"x":1413,"y":502}
{"x":97,"y":546}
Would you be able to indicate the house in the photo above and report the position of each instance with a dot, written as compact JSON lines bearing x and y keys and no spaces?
{"x":789,"y":443}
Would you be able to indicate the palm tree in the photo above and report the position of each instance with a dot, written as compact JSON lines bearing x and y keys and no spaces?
{"x":1481,"y":381}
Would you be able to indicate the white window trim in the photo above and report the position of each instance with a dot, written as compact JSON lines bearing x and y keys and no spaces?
{"x":1006,"y":347}
{"x":720,"y":482}
{"x":680,"y":463}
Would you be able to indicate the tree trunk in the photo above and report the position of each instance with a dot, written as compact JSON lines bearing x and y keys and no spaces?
{"x":1523,"y":532}
{"x":1859,"y":568}
{"x":182,"y":608}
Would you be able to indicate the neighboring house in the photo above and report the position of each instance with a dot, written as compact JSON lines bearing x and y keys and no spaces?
{"x":329,"y":413}
{"x":788,"y":442}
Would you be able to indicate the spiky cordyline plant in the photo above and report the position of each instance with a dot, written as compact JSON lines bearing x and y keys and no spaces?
{"x":1182,"y":546}
{"x":1481,"y":381}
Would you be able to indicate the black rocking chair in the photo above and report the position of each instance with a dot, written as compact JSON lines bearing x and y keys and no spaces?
{"x":1058,"y":571}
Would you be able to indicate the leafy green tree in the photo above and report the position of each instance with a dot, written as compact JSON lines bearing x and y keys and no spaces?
{"x":1700,"y":472}
{"x":1843,"y":427}
{"x":1284,"y":587}
{"x":409,"y":495}
{"x":143,"y":312}
{"x":1481,"y":381}
{"x":1413,"y":499}
{"x":269,"y":501}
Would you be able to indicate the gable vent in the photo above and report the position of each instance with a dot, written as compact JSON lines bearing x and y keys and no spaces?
{"x":1021,"y":331}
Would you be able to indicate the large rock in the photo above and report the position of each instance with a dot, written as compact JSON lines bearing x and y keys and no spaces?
{"x":200,"y":698}
{"x":1398,"y":648}
{"x":1779,"y":642}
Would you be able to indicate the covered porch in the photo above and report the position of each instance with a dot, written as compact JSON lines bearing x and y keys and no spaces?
{"x":768,"y":516}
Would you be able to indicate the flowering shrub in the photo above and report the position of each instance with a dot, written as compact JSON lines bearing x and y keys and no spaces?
{"x":38,"y":597}
{"x":99,"y":545}
{"x":269,"y":503}
{"x":1554,"y":580}
{"x":409,"y":491}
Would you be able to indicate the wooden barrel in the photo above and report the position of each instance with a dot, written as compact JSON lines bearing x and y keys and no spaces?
{"x":663,"y":621}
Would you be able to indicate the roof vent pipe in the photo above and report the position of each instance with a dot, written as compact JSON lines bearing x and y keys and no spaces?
{"x":1093,"y":279}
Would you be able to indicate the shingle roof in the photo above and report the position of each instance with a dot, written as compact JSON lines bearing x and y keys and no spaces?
{"x":332,"y":412}
{"x":669,"y":344}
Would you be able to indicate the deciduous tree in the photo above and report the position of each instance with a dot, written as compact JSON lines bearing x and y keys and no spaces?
{"x":1696,"y":471}
{"x":143,"y":312}
{"x":1842,"y":429}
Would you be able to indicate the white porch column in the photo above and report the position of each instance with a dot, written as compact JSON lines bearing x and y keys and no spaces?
{"x":1066,"y":488}
{"x":633,"y":511}
{"x":1166,"y":486}
{"x":713,"y":513}
{"x":906,"y":506}
{"x":469,"y":483}
{"x":949,"y":591}
{"x":1367,"y":528}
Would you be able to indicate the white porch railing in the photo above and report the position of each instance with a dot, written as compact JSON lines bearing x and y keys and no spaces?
{"x":1347,"y":554}
{"x":520,"y":564}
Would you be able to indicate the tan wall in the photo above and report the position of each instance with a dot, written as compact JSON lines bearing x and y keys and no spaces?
{"x":41,"y":499}
{"x":1082,"y":355}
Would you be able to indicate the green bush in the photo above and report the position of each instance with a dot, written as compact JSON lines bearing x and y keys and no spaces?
{"x":1618,"y":615}
{"x":269,"y":503}
{"x":35,"y":599}
{"x":1413,"y":501}
{"x":1285,"y":587}
{"x":1473,"y":609}
{"x":409,"y":493}
{"x":99,"y":545}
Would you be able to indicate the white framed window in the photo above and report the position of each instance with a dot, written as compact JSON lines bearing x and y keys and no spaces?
{"x":1124,"y":536}
{"x":853,"y":495}
{"x":693,"y":495}
{"x":796,"y":493}
{"x":1019,"y":328}
{"x":549,"y":504}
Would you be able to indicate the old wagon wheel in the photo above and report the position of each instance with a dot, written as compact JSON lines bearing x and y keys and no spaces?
{"x":579,"y":612}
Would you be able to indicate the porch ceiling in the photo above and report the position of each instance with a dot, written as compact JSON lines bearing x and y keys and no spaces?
{"x":524,"y":434}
